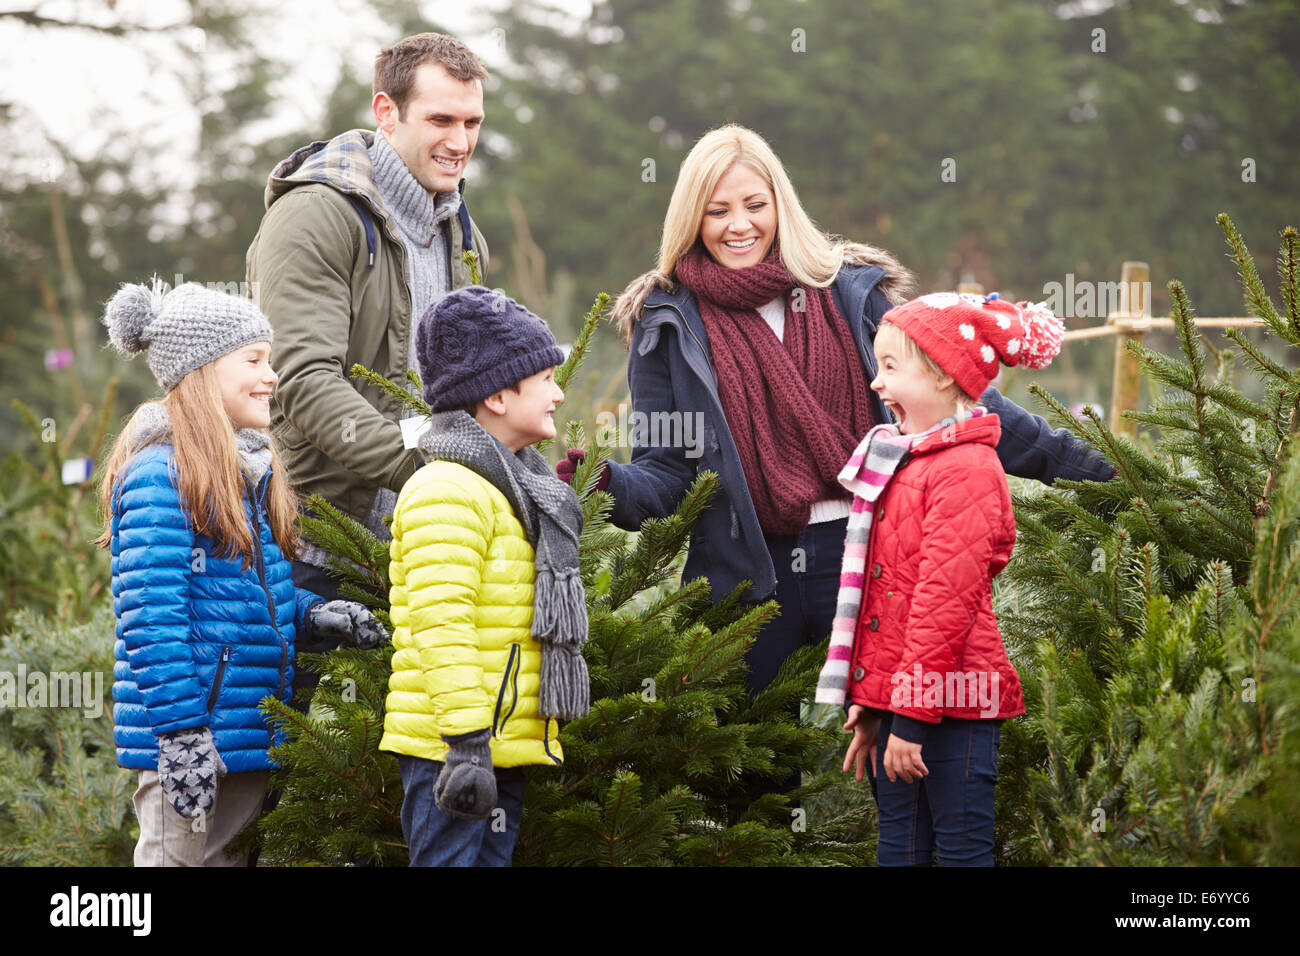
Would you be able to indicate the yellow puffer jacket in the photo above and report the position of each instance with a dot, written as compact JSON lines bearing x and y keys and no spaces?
{"x":462,"y":606}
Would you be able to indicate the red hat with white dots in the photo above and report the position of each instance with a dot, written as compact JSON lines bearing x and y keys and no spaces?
{"x":968,"y":334}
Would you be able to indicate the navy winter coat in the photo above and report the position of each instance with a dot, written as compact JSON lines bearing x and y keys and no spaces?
{"x":200,"y":642}
{"x":670,"y":369}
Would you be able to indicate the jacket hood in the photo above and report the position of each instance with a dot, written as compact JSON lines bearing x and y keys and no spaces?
{"x":342,"y":162}
{"x":150,"y":425}
{"x":898,"y":284}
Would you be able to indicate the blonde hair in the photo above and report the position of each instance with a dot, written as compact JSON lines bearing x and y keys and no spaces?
{"x":913,"y":351}
{"x":205,"y":468}
{"x":812,"y":257}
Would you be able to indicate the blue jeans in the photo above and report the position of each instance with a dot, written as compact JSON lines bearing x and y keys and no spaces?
{"x":435,"y":839}
{"x":948,"y":812}
{"x":807,"y":586}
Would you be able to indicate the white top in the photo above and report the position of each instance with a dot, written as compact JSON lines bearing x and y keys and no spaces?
{"x":774,"y":314}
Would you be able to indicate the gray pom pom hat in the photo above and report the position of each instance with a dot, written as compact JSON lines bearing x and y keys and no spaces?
{"x":181,"y":329}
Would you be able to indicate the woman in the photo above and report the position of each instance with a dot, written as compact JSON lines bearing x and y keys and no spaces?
{"x":761,"y":325}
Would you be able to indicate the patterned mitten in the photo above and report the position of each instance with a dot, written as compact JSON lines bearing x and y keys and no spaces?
{"x":467,"y":786}
{"x":188,"y":768}
{"x":349,"y":623}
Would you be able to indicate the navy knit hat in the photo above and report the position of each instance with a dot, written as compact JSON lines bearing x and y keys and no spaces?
{"x":475,"y":342}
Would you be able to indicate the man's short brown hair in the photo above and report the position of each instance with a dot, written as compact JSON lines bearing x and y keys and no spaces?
{"x":395,"y":66}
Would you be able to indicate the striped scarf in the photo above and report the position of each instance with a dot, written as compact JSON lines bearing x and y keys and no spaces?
{"x":869,"y":470}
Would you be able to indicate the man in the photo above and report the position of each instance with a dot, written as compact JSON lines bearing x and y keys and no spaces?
{"x":362,"y":235}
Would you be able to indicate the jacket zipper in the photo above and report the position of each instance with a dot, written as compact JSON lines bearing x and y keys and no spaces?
{"x":497,"y":723}
{"x":270,"y":599}
{"x":514,"y":688}
{"x":546,"y":738}
{"x":219,"y":677}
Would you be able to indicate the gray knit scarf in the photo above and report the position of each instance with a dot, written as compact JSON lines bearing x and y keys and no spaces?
{"x":151,"y":425}
{"x":552,"y":518}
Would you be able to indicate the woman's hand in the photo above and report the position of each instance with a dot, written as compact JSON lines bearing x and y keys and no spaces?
{"x":566,"y":469}
{"x":862,"y":747}
{"x":903,"y":759}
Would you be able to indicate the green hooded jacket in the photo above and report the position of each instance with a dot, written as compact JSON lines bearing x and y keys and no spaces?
{"x":309,"y":270}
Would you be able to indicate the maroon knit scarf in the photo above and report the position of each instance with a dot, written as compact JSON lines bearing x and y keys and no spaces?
{"x":797,"y":407}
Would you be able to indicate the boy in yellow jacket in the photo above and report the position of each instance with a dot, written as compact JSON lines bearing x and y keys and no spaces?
{"x":488,"y":611}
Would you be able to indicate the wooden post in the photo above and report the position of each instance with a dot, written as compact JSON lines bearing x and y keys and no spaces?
{"x":1131,"y":322}
{"x":969,"y":286}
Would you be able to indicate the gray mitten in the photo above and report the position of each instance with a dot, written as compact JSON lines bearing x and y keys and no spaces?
{"x":349,"y":623}
{"x":467,"y":785}
{"x":188,"y":768}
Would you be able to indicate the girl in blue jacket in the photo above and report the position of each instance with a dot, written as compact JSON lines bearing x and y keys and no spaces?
{"x":206,"y":608}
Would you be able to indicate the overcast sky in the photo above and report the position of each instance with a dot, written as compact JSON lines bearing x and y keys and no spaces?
{"x":95,"y":92}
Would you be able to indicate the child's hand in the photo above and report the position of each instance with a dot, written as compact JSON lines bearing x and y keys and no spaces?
{"x":348,"y":622}
{"x":863,"y":745}
{"x":904,"y":759}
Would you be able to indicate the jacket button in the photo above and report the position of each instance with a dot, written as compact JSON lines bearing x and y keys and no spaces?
{"x":875,"y":570}
{"x":859,"y":673}
{"x":873,"y":624}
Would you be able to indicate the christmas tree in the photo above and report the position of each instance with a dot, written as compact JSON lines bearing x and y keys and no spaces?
{"x":675,"y":764}
{"x":63,"y":799}
{"x":1153,"y":619}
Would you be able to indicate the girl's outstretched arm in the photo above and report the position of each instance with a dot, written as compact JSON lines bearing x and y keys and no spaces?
{"x":304,"y":601}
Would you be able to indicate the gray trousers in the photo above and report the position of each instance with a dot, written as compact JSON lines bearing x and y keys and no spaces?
{"x":168,"y":839}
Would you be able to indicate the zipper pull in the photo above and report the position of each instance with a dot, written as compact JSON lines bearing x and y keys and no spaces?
{"x":225,"y":654}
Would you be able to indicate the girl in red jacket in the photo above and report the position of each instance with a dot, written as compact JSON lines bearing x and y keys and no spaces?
{"x":915,"y":648}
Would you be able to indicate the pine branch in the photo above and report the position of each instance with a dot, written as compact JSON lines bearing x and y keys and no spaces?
{"x":1256,"y":297}
{"x":1190,"y":340}
{"x":1288,"y":267}
{"x":598,"y":311}
{"x":1275,"y":469}
{"x":1115,"y":448}
{"x":408,"y":401}
{"x":1265,"y":365}
{"x":471,"y":260}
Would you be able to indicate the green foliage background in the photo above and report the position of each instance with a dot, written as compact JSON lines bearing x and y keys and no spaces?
{"x":1068,"y":159}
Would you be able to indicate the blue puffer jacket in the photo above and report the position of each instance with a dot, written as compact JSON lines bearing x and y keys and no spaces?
{"x":199,"y":641}
{"x":670,"y":369}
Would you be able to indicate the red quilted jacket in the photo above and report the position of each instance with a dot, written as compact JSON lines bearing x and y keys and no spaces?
{"x":927,"y":643}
